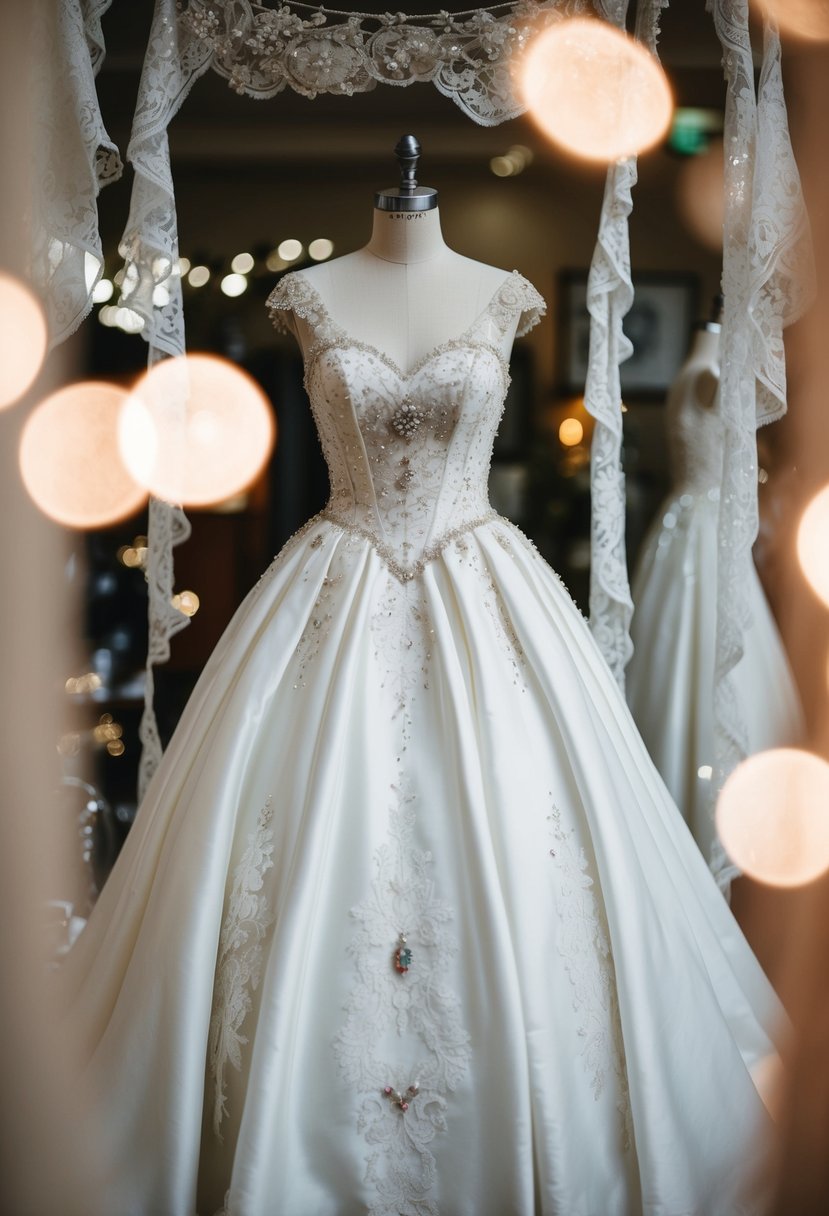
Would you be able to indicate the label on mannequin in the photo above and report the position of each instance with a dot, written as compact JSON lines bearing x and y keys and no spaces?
{"x":406,"y":215}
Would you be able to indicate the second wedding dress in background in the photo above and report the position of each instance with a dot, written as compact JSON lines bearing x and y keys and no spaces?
{"x":407,"y":924}
{"x":670,"y":679}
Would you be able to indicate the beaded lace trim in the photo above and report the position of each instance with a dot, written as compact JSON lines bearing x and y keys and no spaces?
{"x":239,"y":967}
{"x":295,"y":294}
{"x":399,"y":569}
{"x":468,"y":56}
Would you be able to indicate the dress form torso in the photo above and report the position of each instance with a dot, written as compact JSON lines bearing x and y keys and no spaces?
{"x":694,"y":424}
{"x":406,"y":291}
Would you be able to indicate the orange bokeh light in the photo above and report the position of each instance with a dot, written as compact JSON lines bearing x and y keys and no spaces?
{"x":594,"y":91}
{"x":22,"y":339}
{"x":69,"y":457}
{"x":196,"y":430}
{"x":813,"y":544}
{"x":807,"y":19}
{"x":773,"y":817}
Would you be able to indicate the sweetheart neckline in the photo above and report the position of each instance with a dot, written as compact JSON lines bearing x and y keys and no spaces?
{"x":463,"y":339}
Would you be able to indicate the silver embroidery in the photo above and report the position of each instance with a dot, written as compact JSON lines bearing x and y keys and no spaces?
{"x":239,"y":964}
{"x":584,"y":944}
{"x":420,"y":1006}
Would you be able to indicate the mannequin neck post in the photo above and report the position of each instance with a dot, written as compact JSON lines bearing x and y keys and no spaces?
{"x":406,"y":236}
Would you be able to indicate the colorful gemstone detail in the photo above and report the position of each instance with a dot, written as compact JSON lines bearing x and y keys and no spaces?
{"x":401,"y":1101}
{"x":402,"y":956}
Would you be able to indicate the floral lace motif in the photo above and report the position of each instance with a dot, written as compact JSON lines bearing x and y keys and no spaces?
{"x":418,"y":1008}
{"x":585,"y":946}
{"x":609,"y":296}
{"x":765,"y":251}
{"x":239,"y":965}
{"x":74,"y":159}
{"x":468,"y":56}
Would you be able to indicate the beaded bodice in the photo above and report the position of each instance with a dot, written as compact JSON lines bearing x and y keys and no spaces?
{"x":408,"y":451}
{"x":695,"y":436}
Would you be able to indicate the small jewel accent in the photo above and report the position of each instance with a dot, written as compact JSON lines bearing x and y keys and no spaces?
{"x":402,"y":956}
{"x":401,"y":1101}
{"x":407,"y":420}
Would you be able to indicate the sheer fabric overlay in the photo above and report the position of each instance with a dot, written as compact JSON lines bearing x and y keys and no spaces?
{"x":765,"y":287}
{"x":75,"y":159}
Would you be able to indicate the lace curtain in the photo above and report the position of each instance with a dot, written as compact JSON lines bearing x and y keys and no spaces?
{"x":75,"y":160}
{"x":766,"y":284}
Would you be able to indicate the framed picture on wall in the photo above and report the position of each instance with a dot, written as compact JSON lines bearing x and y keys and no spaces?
{"x":658,"y":324}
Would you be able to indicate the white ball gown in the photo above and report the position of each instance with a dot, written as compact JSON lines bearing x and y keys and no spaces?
{"x":670,"y":679}
{"x":408,"y":924}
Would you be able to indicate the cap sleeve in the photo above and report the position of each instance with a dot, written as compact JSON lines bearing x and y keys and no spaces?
{"x":293,"y":296}
{"x":532,"y":305}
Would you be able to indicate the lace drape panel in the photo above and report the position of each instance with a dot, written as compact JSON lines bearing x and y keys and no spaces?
{"x":765,"y":286}
{"x":174,"y":60}
{"x":609,"y":296}
{"x":75,"y":159}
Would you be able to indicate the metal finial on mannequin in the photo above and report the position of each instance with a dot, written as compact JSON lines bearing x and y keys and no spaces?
{"x":408,"y":196}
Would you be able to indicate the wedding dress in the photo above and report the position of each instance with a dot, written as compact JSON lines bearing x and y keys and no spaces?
{"x":408,"y":923}
{"x":670,"y":679}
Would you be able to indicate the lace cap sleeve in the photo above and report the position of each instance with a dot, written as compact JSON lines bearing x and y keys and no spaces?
{"x":532,"y":305}
{"x":293,"y":296}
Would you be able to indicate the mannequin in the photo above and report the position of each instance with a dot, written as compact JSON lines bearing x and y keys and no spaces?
{"x":670,"y":679}
{"x":406,"y":291}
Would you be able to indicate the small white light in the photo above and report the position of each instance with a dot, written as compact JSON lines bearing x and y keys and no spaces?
{"x":321,"y":248}
{"x":161,"y":295}
{"x":107,"y":316}
{"x":182,"y":266}
{"x":233,"y":284}
{"x":274,"y":262}
{"x":502,"y":166}
{"x":198,"y":276}
{"x":290,"y":250}
{"x":242,"y":263}
{"x":102,"y":291}
{"x":705,"y":772}
{"x":91,"y":266}
{"x":118,"y":277}
{"x":129,"y":320}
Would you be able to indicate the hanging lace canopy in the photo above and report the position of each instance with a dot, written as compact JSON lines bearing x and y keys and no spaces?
{"x":468,"y":56}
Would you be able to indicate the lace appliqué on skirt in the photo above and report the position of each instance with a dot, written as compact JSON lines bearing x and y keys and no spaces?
{"x":585,"y":947}
{"x":239,"y":966}
{"x":419,"y":1005}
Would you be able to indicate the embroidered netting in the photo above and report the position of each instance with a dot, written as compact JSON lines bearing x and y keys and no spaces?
{"x":766,"y":284}
{"x":74,"y":160}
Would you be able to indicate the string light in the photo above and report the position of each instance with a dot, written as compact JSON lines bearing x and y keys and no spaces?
{"x":570,"y":432}
{"x":70,"y":461}
{"x":234,"y":284}
{"x":196,"y":430}
{"x":79,"y":685}
{"x":102,"y":291}
{"x":773,"y":817}
{"x":320,"y":249}
{"x":513,"y":162}
{"x":187,"y":603}
{"x":242,"y":264}
{"x":22,"y":339}
{"x":594,"y":91}
{"x":198,"y":276}
{"x":290,"y":250}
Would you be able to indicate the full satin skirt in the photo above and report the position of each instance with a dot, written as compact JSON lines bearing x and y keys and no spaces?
{"x":445,"y":757}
